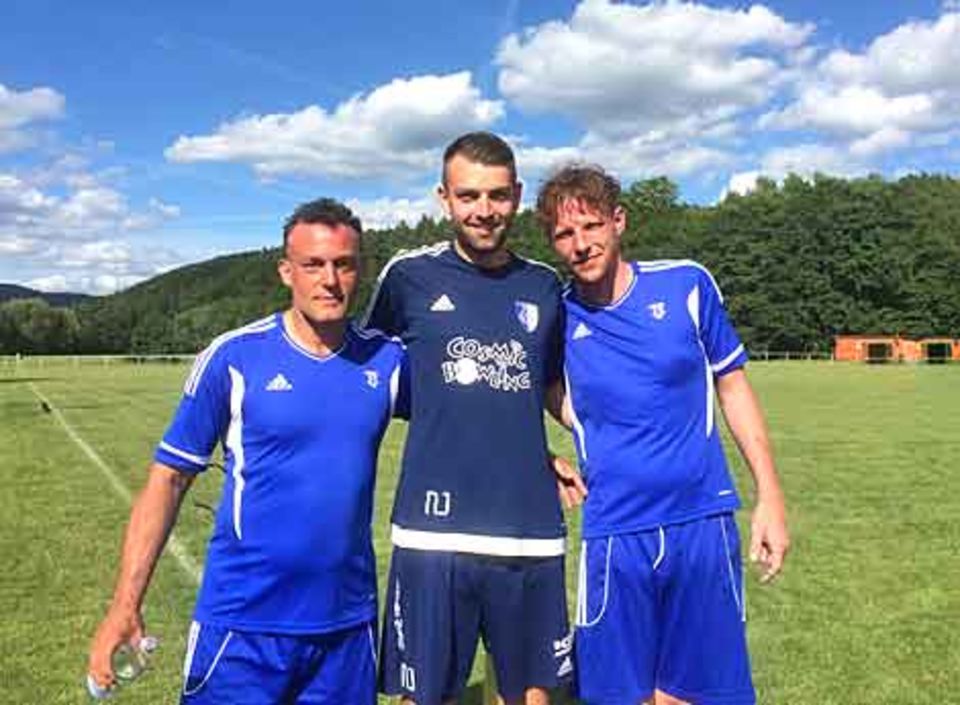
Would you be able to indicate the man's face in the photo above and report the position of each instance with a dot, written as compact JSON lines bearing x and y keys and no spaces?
{"x":588,"y":239}
{"x":481,"y":200}
{"x":321,"y":269}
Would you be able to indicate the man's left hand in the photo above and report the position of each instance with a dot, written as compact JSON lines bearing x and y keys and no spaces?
{"x":769,"y":538}
{"x":570,"y":485}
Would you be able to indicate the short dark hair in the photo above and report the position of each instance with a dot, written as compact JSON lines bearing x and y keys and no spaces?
{"x":327,"y":211}
{"x":482,"y":148}
{"x":587,"y":183}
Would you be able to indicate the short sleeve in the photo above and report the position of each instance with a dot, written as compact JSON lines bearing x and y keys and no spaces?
{"x":383,"y":311}
{"x":555,"y":346}
{"x":201,"y":417}
{"x":400,"y":387}
{"x":720,"y":340}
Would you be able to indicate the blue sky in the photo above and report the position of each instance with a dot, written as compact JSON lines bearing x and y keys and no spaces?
{"x":136,"y":137}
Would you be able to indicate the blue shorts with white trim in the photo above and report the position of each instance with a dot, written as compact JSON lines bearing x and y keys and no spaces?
{"x":664,"y":609}
{"x":438,"y":603}
{"x":244,"y":668}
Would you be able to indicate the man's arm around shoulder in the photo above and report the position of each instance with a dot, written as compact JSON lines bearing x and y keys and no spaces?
{"x":570,"y":486}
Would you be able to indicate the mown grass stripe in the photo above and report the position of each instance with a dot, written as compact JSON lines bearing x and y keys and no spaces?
{"x":174,"y":547}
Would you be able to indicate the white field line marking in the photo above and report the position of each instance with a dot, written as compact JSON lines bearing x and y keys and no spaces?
{"x":184,"y":559}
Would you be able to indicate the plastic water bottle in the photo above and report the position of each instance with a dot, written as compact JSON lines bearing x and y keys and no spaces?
{"x":128,"y":663}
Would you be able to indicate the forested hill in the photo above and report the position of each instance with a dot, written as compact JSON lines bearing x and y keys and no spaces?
{"x":798,"y":262}
{"x":9,"y":292}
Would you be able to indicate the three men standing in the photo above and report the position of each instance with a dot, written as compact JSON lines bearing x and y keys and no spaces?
{"x":301,"y":400}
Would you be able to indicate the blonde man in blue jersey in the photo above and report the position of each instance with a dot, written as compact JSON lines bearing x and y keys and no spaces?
{"x":648,"y":345}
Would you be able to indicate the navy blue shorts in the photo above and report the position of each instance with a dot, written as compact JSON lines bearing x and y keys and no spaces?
{"x":664,"y":609}
{"x":243,"y":668}
{"x":439,"y":603}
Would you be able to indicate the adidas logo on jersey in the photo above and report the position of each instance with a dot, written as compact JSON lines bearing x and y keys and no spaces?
{"x":279,"y":384}
{"x":581,"y":331}
{"x":443,"y":304}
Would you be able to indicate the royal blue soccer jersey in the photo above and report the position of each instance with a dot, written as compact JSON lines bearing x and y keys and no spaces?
{"x":640,"y":374}
{"x":291,"y":549}
{"x":483,"y":346}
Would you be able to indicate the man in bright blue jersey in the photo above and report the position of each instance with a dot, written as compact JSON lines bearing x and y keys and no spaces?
{"x":660,"y":614}
{"x":299,"y":402}
{"x":477,"y":530}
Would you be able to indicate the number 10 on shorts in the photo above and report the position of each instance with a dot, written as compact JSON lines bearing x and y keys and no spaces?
{"x":408,"y":678}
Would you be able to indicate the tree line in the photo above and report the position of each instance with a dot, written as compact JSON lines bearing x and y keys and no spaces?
{"x":798,"y":262}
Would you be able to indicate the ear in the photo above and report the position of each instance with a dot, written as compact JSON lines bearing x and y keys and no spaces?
{"x":517,"y":192}
{"x":285,"y":270}
{"x":443,"y":198}
{"x":619,"y":219}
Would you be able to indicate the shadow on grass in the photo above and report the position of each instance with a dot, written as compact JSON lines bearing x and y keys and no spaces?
{"x":23,"y":380}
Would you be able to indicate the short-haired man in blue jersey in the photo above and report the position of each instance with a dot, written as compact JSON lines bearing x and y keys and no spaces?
{"x":299,"y":402}
{"x":660,"y":614}
{"x":478,"y":533}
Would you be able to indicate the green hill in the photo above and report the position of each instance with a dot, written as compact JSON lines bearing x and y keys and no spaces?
{"x":12,"y":292}
{"x":181,"y":310}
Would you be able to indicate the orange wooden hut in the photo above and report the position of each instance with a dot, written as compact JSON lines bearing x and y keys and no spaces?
{"x":894,"y":348}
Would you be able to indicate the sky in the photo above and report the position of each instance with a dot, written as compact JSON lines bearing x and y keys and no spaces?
{"x":136,"y":137}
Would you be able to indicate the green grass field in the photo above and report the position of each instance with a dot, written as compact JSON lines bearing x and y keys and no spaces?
{"x":867,"y":612}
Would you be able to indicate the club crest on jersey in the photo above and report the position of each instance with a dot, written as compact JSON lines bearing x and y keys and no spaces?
{"x":373,"y":379}
{"x":528,"y":314}
{"x":658,"y":310}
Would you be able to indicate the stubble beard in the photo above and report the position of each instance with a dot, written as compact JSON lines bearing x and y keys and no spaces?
{"x":489,"y":251}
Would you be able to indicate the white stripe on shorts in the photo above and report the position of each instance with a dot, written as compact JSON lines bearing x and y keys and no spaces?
{"x":737,"y":596}
{"x":582,"y":619}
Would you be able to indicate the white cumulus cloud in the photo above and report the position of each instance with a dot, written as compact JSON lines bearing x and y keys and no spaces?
{"x":84,"y":213}
{"x":394,"y":130}
{"x":100,"y":267}
{"x":628,"y":158}
{"x":905,"y":85}
{"x":381,"y":213}
{"x":72,"y":237}
{"x":623,"y":69}
{"x":19,"y":110}
{"x":52,"y":282}
{"x":806,"y":159}
{"x":87,"y":283}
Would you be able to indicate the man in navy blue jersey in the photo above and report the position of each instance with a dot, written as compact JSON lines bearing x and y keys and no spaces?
{"x":477,"y":529}
{"x":299,"y":401}
{"x":660,"y":614}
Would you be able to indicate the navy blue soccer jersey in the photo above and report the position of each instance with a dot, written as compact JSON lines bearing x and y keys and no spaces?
{"x":291,"y":549}
{"x":483,"y":346}
{"x":640,"y":374}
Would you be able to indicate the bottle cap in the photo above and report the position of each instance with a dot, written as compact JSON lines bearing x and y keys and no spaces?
{"x":149,"y":644}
